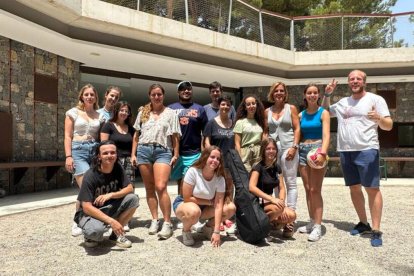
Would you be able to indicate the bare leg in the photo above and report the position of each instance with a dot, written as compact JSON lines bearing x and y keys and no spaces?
{"x":147,"y":174}
{"x":375,"y":206}
{"x":304,"y":173}
{"x":288,"y":216}
{"x":126,"y":216}
{"x":188,"y":213}
{"x":316,"y":201}
{"x":358,"y":200}
{"x":273,"y":212}
{"x":161,"y":175}
{"x":79,"y":179}
{"x":229,"y":209}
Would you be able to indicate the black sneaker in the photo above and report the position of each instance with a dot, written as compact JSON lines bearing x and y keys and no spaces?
{"x":376,"y":238}
{"x":113,"y":236}
{"x":361,"y":228}
{"x":90,"y":243}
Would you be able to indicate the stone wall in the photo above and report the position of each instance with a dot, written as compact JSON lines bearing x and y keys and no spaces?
{"x":404,"y":113}
{"x":37,"y":126}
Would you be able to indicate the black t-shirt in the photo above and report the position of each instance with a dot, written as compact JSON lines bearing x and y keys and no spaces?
{"x":219,"y":136}
{"x":123,"y":142}
{"x":96,"y":183}
{"x":268,"y":178}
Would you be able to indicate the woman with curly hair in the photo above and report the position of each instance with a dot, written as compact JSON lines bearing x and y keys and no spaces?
{"x":155,"y":149}
{"x":249,"y":130}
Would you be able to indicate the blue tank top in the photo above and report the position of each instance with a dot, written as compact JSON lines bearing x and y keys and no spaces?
{"x":311,"y":124}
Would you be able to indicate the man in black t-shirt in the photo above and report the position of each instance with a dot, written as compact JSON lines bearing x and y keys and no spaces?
{"x":107,"y":198}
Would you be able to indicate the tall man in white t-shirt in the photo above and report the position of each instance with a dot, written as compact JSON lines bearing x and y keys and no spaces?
{"x":359,"y":117}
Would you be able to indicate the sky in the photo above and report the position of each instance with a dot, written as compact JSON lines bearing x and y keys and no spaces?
{"x":404,"y":29}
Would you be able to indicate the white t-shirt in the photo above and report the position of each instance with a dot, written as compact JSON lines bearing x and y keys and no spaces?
{"x":356,"y":132}
{"x":202,"y":188}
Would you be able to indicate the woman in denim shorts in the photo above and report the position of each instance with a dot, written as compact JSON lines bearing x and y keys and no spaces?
{"x":82,"y":124}
{"x":315,"y":131}
{"x":155,"y":149}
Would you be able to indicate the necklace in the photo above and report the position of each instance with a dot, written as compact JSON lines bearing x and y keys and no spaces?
{"x":226,"y":124}
{"x":159,"y":111}
{"x":275,"y":114}
{"x":123,"y":129}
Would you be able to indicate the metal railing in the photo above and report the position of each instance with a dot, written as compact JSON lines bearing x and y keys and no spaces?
{"x":304,"y":33}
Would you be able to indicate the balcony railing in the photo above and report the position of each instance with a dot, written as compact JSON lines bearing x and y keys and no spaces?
{"x":304,"y":33}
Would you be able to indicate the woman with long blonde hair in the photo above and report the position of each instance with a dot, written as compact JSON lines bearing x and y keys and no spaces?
{"x":82,"y":125}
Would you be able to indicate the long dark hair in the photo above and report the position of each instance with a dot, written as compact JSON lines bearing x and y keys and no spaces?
{"x":201,"y":162}
{"x":305,"y":102}
{"x":259,"y":116}
{"x":118,"y":107}
{"x":263,"y":146}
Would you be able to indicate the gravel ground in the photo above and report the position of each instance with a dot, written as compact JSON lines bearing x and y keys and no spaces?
{"x":39,"y":243}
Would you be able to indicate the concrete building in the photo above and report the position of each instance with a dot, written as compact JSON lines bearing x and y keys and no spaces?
{"x":49,"y":48}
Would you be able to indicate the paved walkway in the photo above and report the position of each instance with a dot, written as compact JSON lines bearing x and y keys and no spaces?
{"x":25,"y":202}
{"x":39,"y":242}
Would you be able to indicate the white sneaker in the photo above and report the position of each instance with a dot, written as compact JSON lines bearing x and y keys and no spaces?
{"x":316,"y":233}
{"x":198,"y":227}
{"x":76,"y":230}
{"x":307,"y":228}
{"x":155,"y":225}
{"x":123,"y":242}
{"x":126,"y":228}
{"x":180,"y":225}
{"x":232,"y":230}
{"x":166,"y":231}
{"x":188,"y":239}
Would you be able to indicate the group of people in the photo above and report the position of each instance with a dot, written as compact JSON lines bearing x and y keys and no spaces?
{"x":186,"y":142}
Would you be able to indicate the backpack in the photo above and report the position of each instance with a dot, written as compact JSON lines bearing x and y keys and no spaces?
{"x":252,"y":222}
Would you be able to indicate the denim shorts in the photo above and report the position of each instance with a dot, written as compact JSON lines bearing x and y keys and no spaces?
{"x":153,"y":153}
{"x":304,"y":149}
{"x":82,"y":153}
{"x":181,"y":166}
{"x":179,"y":199}
{"x":361,"y":167}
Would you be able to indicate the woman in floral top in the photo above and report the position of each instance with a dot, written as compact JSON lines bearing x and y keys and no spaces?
{"x":155,"y":149}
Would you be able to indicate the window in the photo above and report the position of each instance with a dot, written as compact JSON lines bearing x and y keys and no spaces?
{"x":406,"y":135}
{"x":390,"y":97}
{"x":45,"y":88}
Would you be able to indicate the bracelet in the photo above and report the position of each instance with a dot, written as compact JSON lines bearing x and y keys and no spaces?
{"x":68,"y":156}
{"x":216,"y":232}
{"x":327,"y":95}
